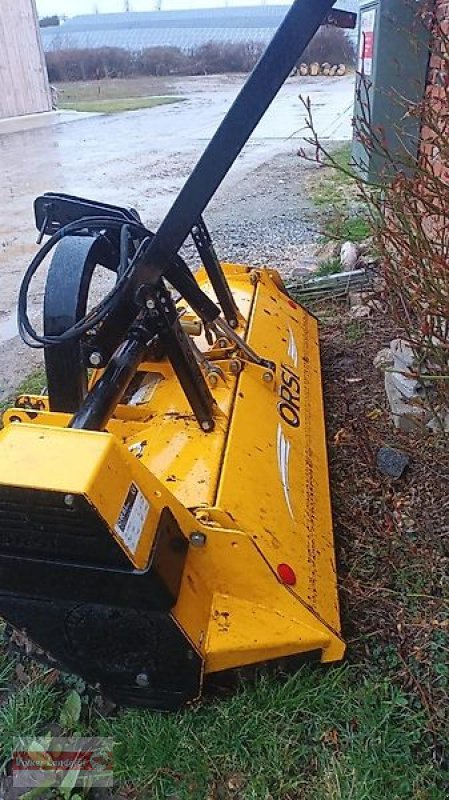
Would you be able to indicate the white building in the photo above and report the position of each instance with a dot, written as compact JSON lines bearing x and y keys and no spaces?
{"x":24,"y":85}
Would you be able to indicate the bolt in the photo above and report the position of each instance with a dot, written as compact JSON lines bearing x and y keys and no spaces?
{"x":268,"y":377}
{"x":198,"y":539}
{"x":195,"y":230}
{"x":69,"y":500}
{"x":207,"y":426}
{"x":95,"y":359}
{"x":150,"y":304}
{"x":213,"y":379}
{"x":233,"y":323}
{"x":235,"y":367}
{"x":142,"y":680}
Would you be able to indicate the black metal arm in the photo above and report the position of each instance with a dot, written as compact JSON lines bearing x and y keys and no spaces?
{"x":294,"y":34}
{"x":160,"y":259}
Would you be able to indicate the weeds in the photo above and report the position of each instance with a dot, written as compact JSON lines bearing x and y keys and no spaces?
{"x":33,"y":384}
{"x":354,"y":332}
{"x":330,"y":267}
{"x":25,"y":713}
{"x":408,"y":210}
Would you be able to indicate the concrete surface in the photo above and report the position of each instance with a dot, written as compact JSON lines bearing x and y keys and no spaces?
{"x":140,"y":159}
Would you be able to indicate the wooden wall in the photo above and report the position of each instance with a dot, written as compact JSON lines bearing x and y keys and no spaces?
{"x":24,"y":85}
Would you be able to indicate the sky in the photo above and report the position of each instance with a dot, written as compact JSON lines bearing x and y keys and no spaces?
{"x":73,"y":7}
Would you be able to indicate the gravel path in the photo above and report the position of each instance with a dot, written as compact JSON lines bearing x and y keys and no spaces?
{"x":263,"y":218}
{"x":267,"y":218}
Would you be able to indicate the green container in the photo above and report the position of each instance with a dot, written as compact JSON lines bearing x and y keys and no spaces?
{"x":393,"y":61}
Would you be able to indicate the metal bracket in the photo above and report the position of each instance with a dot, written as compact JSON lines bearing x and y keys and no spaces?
{"x":206,"y":250}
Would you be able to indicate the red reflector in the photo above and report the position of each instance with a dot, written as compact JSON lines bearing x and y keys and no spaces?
{"x":292,"y":304}
{"x":286,"y":574}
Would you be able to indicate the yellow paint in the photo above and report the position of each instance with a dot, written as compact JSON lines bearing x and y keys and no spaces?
{"x":257,"y":486}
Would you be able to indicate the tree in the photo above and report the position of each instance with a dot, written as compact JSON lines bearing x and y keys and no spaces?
{"x":49,"y":22}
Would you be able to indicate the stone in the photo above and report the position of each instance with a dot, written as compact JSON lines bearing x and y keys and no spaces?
{"x":360,"y":312}
{"x":404,"y":356}
{"x":392,"y":462}
{"x":441,"y":424}
{"x":349,"y":255}
{"x":306,"y":266}
{"x":407,"y":417}
{"x":383,"y":359}
{"x":408,"y":387}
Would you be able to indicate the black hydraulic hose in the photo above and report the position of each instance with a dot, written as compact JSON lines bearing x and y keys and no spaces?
{"x":282,"y":54}
{"x":96,"y":315}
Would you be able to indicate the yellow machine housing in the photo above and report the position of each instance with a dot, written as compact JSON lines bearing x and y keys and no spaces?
{"x":153,"y":554}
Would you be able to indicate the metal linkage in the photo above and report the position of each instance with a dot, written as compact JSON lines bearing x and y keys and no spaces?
{"x":250,"y":354}
{"x":160,"y":321}
{"x":206,"y":250}
{"x":99,"y":404}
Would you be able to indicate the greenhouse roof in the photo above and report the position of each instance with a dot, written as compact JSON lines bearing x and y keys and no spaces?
{"x":184,"y":29}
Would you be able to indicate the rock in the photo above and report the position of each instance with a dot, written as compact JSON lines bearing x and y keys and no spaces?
{"x":341,"y":70}
{"x":314,"y":69}
{"x":408,"y":387}
{"x":392,"y":462}
{"x":383,"y":359}
{"x":360,"y":312}
{"x":303,"y":70}
{"x":406,"y":416}
{"x":441,"y":424}
{"x":404,"y":362}
{"x":307,"y":266}
{"x":333,"y":71}
{"x":404,"y":356}
{"x":349,"y":255}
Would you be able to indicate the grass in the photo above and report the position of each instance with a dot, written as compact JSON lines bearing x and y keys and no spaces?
{"x":319,"y":734}
{"x":115,"y":95}
{"x":117,"y":106}
{"x":343,"y":217}
{"x":330,"y":267}
{"x":332,"y":186}
{"x":352,"y":229}
{"x":341,"y":732}
{"x":354,"y":332}
{"x":33,"y":384}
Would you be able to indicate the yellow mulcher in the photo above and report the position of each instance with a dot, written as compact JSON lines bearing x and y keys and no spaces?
{"x":164,"y":506}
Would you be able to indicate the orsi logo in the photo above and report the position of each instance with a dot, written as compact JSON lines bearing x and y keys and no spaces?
{"x":290,"y":393}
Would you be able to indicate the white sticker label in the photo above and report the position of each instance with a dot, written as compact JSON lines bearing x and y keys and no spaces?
{"x":367,"y":35}
{"x":133,"y":517}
